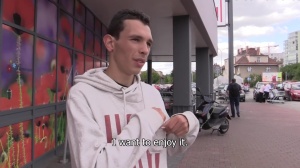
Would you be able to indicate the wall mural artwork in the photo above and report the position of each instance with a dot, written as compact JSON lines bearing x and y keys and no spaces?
{"x":64,"y":73}
{"x":79,"y":64}
{"x":61,"y":127}
{"x":90,"y":20}
{"x":97,"y":47}
{"x":46,"y":24}
{"x":89,"y":42}
{"x":15,"y":145}
{"x":89,"y":63}
{"x":67,"y":5}
{"x":79,"y":11}
{"x":98,"y":27}
{"x":65,"y":29}
{"x":19,"y":12}
{"x":104,"y":31}
{"x":45,"y":72}
{"x":79,"y":36}
{"x":16,"y":69}
{"x":59,"y":38}
{"x":44,"y":134}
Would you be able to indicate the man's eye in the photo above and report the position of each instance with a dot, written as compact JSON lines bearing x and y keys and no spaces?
{"x":137,"y":40}
{"x":149,"y":44}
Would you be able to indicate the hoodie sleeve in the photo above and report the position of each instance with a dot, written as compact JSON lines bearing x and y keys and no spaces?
{"x":156,"y":100}
{"x":189,"y":138}
{"x":183,"y":143}
{"x":88,"y":144}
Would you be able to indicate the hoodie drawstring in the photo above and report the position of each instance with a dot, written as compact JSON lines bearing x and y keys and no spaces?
{"x":124,"y":100}
{"x":143,"y":95}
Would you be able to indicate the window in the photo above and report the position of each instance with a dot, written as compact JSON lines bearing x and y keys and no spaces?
{"x":258,"y":59}
{"x":249,"y":69}
{"x":268,"y":69}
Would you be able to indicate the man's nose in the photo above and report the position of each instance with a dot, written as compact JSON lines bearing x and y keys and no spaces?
{"x":145,"y":49}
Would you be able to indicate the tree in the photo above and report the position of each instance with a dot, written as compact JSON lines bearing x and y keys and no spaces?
{"x":194,"y":77}
{"x":168,"y":79}
{"x":144,"y":76}
{"x":291,"y":72}
{"x":155,"y":77}
{"x":254,"y":79}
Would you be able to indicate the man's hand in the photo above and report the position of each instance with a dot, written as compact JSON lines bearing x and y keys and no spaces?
{"x":163,"y":116}
{"x":177,"y":125}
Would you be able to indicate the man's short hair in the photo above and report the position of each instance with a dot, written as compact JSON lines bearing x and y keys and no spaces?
{"x":233,"y":80}
{"x":117,"y":23}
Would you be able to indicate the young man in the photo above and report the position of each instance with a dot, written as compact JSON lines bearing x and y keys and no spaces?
{"x":115,"y":120}
{"x":234,"y":91}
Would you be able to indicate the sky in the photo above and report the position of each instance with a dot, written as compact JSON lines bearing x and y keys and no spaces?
{"x":256,"y":23}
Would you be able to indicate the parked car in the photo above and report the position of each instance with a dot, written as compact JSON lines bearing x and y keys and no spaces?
{"x":222,"y":90}
{"x":245,"y":87}
{"x":168,"y":101}
{"x":280,"y":87}
{"x":257,"y":87}
{"x":242,"y":95}
{"x":292,"y":91}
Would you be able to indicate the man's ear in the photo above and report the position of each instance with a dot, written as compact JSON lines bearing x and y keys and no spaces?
{"x":108,"y":41}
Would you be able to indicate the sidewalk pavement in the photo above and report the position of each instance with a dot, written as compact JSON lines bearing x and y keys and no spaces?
{"x":265,"y":136}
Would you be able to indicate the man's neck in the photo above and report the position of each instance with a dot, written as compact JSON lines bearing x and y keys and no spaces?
{"x":120,"y":78}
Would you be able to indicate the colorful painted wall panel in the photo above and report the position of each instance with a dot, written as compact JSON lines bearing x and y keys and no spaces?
{"x":64,"y":73}
{"x":45,"y":72}
{"x":16,"y":69}
{"x":44,"y":134}
{"x":89,"y":63}
{"x":61,"y":127}
{"x":89,"y":42}
{"x":79,"y":64}
{"x":68,"y":5}
{"x":15,"y":145}
{"x":98,"y":26}
{"x":47,"y":24}
{"x":79,"y":11}
{"x":97,"y":46}
{"x":19,"y":12}
{"x":79,"y":36}
{"x":65,"y":29}
{"x":103,"y":55}
{"x":89,"y":20}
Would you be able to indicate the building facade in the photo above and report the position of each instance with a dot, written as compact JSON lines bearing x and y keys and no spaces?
{"x":251,"y":61}
{"x":44,"y":45}
{"x":291,"y":48}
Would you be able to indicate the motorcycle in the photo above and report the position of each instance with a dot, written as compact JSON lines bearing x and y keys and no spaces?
{"x":212,"y":115}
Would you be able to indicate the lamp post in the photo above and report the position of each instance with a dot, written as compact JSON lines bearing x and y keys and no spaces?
{"x":221,"y":50}
{"x":221,"y":61}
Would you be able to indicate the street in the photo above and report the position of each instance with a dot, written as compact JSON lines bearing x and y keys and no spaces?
{"x":266,"y":135}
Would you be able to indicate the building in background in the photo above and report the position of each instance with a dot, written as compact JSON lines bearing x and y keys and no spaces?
{"x":277,"y":56}
{"x":291,"y":48}
{"x":252,"y":61}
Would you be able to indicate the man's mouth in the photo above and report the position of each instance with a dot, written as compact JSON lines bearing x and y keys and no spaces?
{"x":140,"y":62}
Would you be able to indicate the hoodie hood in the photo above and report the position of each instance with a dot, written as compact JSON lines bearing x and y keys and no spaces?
{"x":98,"y":79}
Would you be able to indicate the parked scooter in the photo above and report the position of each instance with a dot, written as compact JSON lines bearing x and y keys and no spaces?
{"x":212,"y":115}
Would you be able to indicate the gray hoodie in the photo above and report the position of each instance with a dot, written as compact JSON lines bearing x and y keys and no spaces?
{"x":114,"y":126}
